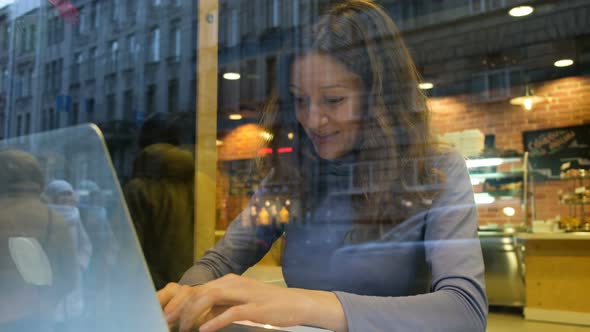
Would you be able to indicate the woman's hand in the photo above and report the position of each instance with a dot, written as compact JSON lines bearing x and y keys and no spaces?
{"x":233,"y":298}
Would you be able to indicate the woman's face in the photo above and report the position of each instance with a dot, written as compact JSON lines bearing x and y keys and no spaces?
{"x":327,"y":103}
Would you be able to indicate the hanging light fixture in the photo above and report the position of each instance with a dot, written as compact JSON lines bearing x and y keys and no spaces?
{"x":528,"y":100}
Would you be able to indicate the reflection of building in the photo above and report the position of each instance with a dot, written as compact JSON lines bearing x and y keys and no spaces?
{"x":476,"y":56}
{"x":4,"y":55}
{"x":121,"y":62}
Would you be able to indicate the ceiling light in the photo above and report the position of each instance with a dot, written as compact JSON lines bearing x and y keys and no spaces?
{"x":509,"y":211}
{"x":528,"y":100}
{"x":231,"y":76}
{"x":563,"y":63}
{"x":235,"y":117}
{"x":521,"y":11}
{"x":426,"y":86}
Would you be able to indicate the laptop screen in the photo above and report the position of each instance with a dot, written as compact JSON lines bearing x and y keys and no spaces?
{"x":70,"y":259}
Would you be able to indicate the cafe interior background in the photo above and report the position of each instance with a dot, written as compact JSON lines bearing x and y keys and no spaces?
{"x":508,"y":83}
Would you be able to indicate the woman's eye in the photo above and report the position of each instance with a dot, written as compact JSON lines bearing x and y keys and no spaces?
{"x":333,"y":100}
{"x":300,"y":101}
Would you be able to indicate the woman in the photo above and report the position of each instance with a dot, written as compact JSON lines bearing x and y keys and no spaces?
{"x":381,"y":205}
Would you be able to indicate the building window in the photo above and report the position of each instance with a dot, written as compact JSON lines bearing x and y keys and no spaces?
{"x":52,"y":119}
{"x":150,"y":99}
{"x":175,"y":40}
{"x":91,"y":61}
{"x":233,"y":26}
{"x":93,"y":15}
{"x":27,"y":123}
{"x":173,"y":95}
{"x":132,"y":47}
{"x":55,"y":30}
{"x":130,"y":8}
{"x":275,"y":13}
{"x":19,"y":125}
{"x":154,"y":54}
{"x":31,"y":39}
{"x":23,"y":40}
{"x":90,"y":109}
{"x":114,"y":48}
{"x":128,"y":107}
{"x":111,"y":103}
{"x":74,"y":114}
{"x":115,"y":10}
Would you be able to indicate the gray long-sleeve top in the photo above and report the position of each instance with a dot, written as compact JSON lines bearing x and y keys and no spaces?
{"x":426,"y":274}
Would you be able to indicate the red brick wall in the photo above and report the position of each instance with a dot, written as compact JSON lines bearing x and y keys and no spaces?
{"x":567,"y":103}
{"x":242,"y":143}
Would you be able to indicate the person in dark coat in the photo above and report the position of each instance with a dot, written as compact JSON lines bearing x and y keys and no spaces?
{"x":160,"y":195}
{"x":38,"y":268}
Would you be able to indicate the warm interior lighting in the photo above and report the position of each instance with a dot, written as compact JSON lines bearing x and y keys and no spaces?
{"x":231,"y":76}
{"x":521,"y":11}
{"x":218,"y":142}
{"x":527,"y":101}
{"x":290,"y":136}
{"x":563,"y":63}
{"x":426,"y":86}
{"x":267,"y":136}
{"x":509,"y":211}
{"x":285,"y":150}
{"x":235,"y":117}
{"x":484,"y":162}
{"x":484,"y":198}
{"x":475,"y":181}
{"x":264,"y":151}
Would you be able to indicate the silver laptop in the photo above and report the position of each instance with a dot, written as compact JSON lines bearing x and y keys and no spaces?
{"x":84,"y":269}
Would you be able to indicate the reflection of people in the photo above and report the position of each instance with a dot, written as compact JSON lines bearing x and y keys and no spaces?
{"x":37,"y":267}
{"x":62,"y":200}
{"x":104,"y":246}
{"x":160,"y":195}
{"x":388,"y":236}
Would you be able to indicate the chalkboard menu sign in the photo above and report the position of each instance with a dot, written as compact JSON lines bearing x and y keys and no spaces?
{"x":549,"y":148}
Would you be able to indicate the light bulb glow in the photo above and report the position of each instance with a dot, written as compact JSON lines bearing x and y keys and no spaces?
{"x":521,"y":11}
{"x":528,"y":104}
{"x":509,"y":211}
{"x":267,"y":136}
{"x":235,"y":117}
{"x":231,"y":76}
{"x":563,"y":63}
{"x":426,"y":86}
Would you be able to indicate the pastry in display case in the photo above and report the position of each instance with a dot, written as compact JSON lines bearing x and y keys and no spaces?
{"x":576,"y":199}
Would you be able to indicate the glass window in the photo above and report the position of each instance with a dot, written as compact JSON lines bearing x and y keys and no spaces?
{"x":409,"y":164}
{"x":154,"y":45}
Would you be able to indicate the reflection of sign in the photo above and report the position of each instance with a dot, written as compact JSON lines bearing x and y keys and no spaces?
{"x":139,"y":116}
{"x":550,"y":142}
{"x":63,"y":103}
{"x":549,"y":148}
{"x":67,"y":10}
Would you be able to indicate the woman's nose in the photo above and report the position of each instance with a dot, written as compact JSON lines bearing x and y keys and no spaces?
{"x":315,"y":117}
